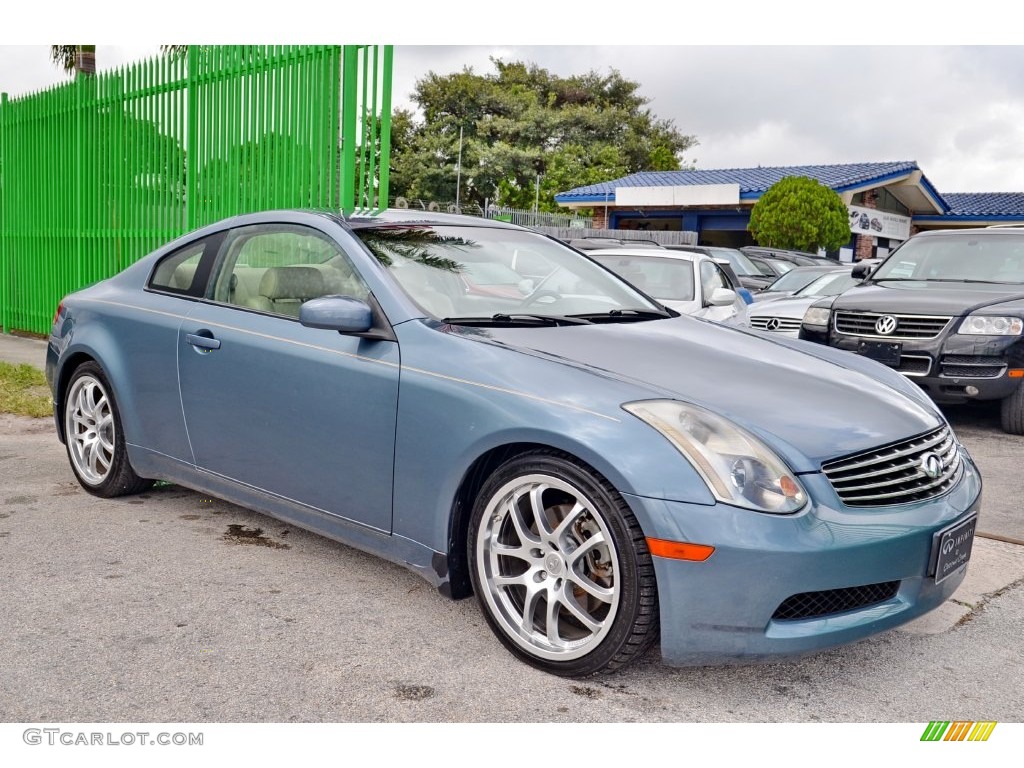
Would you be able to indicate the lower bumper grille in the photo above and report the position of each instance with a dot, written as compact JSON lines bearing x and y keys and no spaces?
{"x":915,"y":365}
{"x":809,"y":605}
{"x":972,"y":367}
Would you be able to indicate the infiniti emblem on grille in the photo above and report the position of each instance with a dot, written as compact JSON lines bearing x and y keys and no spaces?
{"x":932,"y":465}
{"x":772,"y":324}
{"x":885,"y":325}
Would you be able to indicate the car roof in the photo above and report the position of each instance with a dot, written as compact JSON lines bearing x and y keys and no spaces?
{"x":660,"y":253}
{"x":994,"y":231}
{"x":426,"y":218}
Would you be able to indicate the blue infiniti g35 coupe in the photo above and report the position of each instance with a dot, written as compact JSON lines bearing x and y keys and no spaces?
{"x":601,"y":472}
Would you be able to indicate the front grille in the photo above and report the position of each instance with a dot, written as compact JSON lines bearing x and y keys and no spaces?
{"x":808,"y":605}
{"x":781,"y":324}
{"x":895,"y":473}
{"x":972,"y":367}
{"x":907,"y":326}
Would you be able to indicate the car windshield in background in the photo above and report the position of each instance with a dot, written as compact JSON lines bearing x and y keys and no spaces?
{"x":994,"y":258}
{"x":795,"y":279}
{"x":664,"y":278}
{"x":739,"y":260}
{"x":829,"y":285}
{"x":447,"y":271}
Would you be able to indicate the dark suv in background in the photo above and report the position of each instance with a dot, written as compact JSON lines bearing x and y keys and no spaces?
{"x":945,"y":309}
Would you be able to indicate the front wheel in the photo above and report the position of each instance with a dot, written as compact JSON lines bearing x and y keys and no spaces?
{"x":94,"y":438}
{"x":561,"y":567}
{"x":1012,"y":412}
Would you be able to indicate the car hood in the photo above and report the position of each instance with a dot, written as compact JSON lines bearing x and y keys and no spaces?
{"x":920,"y":297}
{"x":794,"y":307}
{"x":810,"y":405}
{"x":770,"y":295}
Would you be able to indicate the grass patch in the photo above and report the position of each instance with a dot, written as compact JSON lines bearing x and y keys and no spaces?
{"x":23,"y":391}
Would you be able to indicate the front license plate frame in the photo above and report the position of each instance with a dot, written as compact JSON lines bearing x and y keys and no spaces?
{"x":885,"y":352}
{"x":951,"y":548}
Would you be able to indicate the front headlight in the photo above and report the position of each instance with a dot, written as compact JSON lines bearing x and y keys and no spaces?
{"x":817,"y":316}
{"x":738,"y":468}
{"x":989,"y":325}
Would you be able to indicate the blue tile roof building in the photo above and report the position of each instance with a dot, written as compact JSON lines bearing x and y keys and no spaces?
{"x":753,"y":182}
{"x":928,"y":207}
{"x":716,"y":203}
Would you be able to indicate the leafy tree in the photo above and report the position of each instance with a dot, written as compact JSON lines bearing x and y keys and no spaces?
{"x":801,"y":214}
{"x":522,"y":122}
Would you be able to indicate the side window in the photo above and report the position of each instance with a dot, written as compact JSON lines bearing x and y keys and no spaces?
{"x":711,"y":277}
{"x":176,"y":272}
{"x":277,"y":267}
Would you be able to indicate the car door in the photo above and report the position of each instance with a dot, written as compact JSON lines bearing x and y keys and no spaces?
{"x":303,"y":413}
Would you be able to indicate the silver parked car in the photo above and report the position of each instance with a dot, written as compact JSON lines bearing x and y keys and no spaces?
{"x":785,"y":315}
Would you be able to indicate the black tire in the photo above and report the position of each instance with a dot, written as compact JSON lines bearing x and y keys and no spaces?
{"x":590,"y":562}
{"x":1012,"y":412}
{"x":94,"y":438}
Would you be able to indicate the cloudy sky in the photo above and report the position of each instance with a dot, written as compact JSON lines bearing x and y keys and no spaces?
{"x":957,"y":110}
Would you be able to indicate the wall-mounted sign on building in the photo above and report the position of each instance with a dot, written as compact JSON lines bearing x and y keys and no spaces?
{"x":869,"y":221}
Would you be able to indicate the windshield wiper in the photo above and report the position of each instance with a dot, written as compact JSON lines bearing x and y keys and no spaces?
{"x":940,"y":280}
{"x":501,"y":318}
{"x":967,"y":280}
{"x":624,"y":315}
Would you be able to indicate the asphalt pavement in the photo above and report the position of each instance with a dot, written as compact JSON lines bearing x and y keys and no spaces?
{"x":174,"y":606}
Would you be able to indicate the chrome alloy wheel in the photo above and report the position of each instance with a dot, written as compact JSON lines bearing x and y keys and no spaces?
{"x":549,"y":567}
{"x":89,"y":429}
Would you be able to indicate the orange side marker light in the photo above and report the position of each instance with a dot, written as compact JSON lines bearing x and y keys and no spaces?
{"x":679,"y":550}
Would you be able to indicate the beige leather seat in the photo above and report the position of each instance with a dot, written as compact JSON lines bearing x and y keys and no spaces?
{"x":284,"y":289}
{"x":182,"y":278}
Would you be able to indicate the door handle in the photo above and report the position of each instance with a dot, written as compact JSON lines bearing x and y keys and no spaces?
{"x":202,"y":342}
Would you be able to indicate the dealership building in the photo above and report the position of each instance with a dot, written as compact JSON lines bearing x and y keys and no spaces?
{"x":887,"y":203}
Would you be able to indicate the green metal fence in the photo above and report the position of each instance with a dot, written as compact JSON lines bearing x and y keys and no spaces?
{"x":97,"y":172}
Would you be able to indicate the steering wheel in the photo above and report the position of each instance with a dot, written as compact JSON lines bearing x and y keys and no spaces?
{"x":539,"y":294}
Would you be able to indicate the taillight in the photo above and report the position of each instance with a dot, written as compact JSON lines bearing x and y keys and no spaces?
{"x":56,"y":315}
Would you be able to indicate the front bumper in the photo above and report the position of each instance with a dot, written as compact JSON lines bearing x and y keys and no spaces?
{"x":951,"y":368}
{"x":721,"y":611}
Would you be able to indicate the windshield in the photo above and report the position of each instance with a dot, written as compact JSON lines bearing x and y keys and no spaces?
{"x":665,"y":278}
{"x":795,"y":279}
{"x":739,"y":260}
{"x":831,"y":284}
{"x":467,"y":272}
{"x":995,"y":258}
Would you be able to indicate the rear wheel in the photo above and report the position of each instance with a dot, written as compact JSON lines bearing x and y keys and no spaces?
{"x":1013,"y":412}
{"x":561,"y":567}
{"x":94,"y":438}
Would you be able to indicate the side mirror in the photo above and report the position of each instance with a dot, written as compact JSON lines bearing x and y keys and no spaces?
{"x":337,"y":313}
{"x":722,"y":297}
{"x":860,"y":271}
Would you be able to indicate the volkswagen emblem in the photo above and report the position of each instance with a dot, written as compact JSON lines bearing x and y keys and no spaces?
{"x":885,"y":325}
{"x":932,"y":465}
{"x":772,"y":324}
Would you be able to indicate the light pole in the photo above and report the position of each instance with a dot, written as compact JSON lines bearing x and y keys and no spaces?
{"x":536,"y":203}
{"x":458,"y":173}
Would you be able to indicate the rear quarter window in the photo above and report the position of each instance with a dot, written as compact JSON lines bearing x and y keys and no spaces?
{"x":177,"y":272}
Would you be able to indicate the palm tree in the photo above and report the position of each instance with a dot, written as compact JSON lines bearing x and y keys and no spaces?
{"x":74,"y":58}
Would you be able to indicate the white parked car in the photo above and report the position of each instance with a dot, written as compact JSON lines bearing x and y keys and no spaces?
{"x":689,"y":283}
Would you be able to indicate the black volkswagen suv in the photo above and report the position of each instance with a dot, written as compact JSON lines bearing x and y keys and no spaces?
{"x":945,"y":309}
